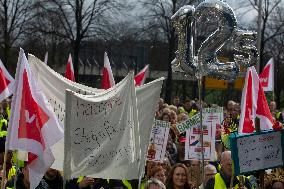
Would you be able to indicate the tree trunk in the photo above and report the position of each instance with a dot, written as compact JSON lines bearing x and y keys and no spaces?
{"x":168,"y":96}
{"x":76,"y":51}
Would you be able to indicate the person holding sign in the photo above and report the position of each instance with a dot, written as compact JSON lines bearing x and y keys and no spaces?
{"x":222,"y":180}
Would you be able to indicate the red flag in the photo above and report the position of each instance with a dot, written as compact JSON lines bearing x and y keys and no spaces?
{"x":33,"y":126}
{"x":263,"y":111}
{"x":6,"y":83}
{"x":69,"y":72}
{"x":267,"y":76}
{"x":141,"y":76}
{"x":253,"y":105}
{"x":107,"y":80}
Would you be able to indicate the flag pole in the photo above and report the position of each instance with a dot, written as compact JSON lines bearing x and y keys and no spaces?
{"x":201,"y":125}
{"x":259,"y":35}
{"x":16,"y":167}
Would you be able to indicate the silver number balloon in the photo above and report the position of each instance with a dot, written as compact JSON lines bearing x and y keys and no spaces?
{"x":182,"y":22}
{"x":244,"y":42}
{"x":207,"y":62}
{"x":207,"y":53}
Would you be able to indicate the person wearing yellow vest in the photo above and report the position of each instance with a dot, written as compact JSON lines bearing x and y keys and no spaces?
{"x":3,"y":127}
{"x":189,"y":107}
{"x":222,"y":180}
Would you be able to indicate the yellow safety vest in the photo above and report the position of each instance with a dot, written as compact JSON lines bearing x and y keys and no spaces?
{"x":220,"y":184}
{"x":2,"y":122}
{"x":127,"y":184}
{"x":8,"y":111}
{"x":12,"y":172}
{"x":192,"y":113}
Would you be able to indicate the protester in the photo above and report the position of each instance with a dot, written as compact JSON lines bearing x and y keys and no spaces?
{"x":178,"y":177}
{"x":222,"y":180}
{"x":209,"y":172}
{"x":194,"y":170}
{"x":174,"y":170}
{"x":53,"y":178}
{"x":158,"y":172}
{"x":23,"y":181}
{"x":154,"y":184}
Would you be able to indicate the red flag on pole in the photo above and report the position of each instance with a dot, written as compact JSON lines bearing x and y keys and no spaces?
{"x":6,"y":83}
{"x":107,"y":79}
{"x":33,"y":126}
{"x":69,"y":72}
{"x":141,"y":76}
{"x":267,"y":76}
{"x":253,"y":105}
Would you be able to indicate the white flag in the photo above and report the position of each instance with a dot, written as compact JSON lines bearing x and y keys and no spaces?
{"x":254,"y":104}
{"x":6,"y":83}
{"x":107,"y":78}
{"x":141,"y":76}
{"x":267,"y":76}
{"x":33,"y":126}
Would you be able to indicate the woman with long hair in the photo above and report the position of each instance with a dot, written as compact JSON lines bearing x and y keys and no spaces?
{"x":178,"y":177}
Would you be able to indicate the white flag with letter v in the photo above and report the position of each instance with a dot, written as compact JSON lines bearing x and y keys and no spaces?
{"x":33,"y":126}
{"x":6,"y":83}
{"x":100,"y":139}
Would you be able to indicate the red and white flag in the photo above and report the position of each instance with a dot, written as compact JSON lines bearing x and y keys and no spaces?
{"x":69,"y":72}
{"x":107,"y":80}
{"x":267,"y":76}
{"x":254,"y":105}
{"x":6,"y":83}
{"x":141,"y":76}
{"x":33,"y":126}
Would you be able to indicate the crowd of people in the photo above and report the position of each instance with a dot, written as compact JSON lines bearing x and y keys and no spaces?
{"x":173,"y":172}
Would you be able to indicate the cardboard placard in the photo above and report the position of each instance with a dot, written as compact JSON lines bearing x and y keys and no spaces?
{"x":258,"y":151}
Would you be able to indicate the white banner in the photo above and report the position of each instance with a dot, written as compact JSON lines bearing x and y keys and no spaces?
{"x":54,"y":85}
{"x":100,"y":133}
{"x":212,"y":118}
{"x":158,"y":140}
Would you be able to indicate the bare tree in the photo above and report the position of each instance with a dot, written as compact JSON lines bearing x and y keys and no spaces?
{"x":77,"y":19}
{"x":269,"y":9}
{"x":275,"y":48}
{"x":14,"y":15}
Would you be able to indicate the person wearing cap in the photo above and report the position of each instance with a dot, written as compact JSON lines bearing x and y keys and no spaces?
{"x":209,"y":172}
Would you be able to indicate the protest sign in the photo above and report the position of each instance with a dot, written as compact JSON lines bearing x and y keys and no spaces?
{"x":212,"y":118}
{"x":54,"y":85}
{"x":100,"y":139}
{"x":257,"y":151}
{"x":158,"y":140}
{"x":216,"y":113}
{"x":193,"y":143}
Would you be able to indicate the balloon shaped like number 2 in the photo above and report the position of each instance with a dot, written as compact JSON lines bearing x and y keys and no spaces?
{"x":206,"y":61}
